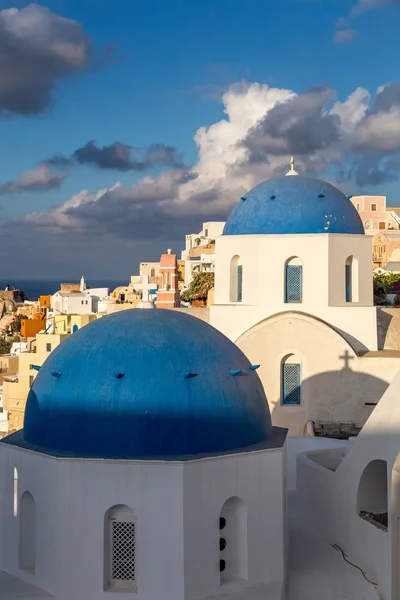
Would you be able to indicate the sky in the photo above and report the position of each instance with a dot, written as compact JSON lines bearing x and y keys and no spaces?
{"x":124,"y":124}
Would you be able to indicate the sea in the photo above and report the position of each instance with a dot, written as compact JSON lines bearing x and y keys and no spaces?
{"x":33,"y":289}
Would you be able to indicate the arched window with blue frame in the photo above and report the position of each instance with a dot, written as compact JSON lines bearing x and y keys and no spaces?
{"x":294,"y":280}
{"x":236,"y":280}
{"x":291,"y":380}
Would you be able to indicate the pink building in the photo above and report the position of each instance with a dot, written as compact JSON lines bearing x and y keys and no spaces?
{"x":168,"y":295}
{"x":374,"y":214}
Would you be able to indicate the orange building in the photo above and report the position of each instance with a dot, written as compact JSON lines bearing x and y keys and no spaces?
{"x":30,"y":327}
{"x":45,"y":301}
{"x":168,"y":295}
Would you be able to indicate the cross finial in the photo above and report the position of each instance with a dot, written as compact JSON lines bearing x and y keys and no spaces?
{"x":347,"y":358}
{"x":292,"y":169}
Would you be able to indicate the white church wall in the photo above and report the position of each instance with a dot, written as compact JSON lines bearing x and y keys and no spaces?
{"x":177,"y":550}
{"x":256,"y":479}
{"x":298,"y":445}
{"x":341,"y":248}
{"x":335,"y":383}
{"x":264,"y":258}
{"x":72,"y":498}
{"x":329,"y":499}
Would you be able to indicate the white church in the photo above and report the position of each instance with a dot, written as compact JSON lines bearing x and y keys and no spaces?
{"x":293,"y":289}
{"x":154,"y":469}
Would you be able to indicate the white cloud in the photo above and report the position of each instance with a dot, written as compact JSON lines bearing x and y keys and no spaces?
{"x":278,"y":120}
{"x":40,"y":178}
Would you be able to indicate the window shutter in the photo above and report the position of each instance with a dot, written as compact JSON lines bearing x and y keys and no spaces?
{"x":123,"y":570}
{"x":294,"y":283}
{"x":291,"y":383}
{"x":239,"y":291}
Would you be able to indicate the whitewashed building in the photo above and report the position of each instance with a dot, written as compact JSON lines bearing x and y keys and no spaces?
{"x":144,"y":468}
{"x":198,"y":254}
{"x":293,"y":285}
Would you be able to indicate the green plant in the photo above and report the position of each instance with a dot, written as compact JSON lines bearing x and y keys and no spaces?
{"x":16,"y":324}
{"x":199,"y":288}
{"x":5,"y":346}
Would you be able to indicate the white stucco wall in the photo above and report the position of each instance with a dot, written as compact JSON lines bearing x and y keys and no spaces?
{"x":177,"y":507}
{"x":323,"y":257}
{"x":335,"y":382}
{"x":328,"y":499}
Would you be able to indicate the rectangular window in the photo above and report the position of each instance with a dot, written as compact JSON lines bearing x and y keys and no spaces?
{"x":291,"y":383}
{"x":294,"y":283}
{"x":358,"y":207}
{"x":31,"y":380}
{"x":48,"y":347}
{"x":31,"y":367}
{"x":382,"y":225}
{"x":239,"y":290}
{"x":373,"y":206}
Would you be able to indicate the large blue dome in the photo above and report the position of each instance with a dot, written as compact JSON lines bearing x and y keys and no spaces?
{"x":294,"y":204}
{"x":146,"y":383}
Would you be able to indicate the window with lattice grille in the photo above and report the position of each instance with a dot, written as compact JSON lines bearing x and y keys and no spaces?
{"x":121,"y":548}
{"x":239,"y":291}
{"x":291,"y":383}
{"x":294,"y":283}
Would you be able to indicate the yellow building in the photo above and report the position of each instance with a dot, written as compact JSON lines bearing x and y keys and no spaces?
{"x":16,"y":388}
{"x":70,"y":323}
{"x":8,"y":365}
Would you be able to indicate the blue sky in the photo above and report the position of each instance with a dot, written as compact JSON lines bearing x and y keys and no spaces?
{"x":171,"y":63}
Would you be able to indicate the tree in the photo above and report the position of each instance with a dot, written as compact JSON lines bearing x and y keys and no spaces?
{"x":16,"y":324}
{"x":5,"y":346}
{"x":199,"y":288}
{"x":384,"y":284}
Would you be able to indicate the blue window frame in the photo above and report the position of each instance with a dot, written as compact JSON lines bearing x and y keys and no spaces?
{"x":239,"y":280}
{"x":291,"y":383}
{"x":294,"y":283}
{"x":348,"y":283}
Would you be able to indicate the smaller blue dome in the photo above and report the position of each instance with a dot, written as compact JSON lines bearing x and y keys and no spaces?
{"x":146,"y":383}
{"x":290,"y":205}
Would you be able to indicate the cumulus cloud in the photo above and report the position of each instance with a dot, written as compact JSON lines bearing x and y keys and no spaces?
{"x":41,"y":178}
{"x":38,"y":48}
{"x":121,"y":157}
{"x":301,"y":125}
{"x":262,"y":126}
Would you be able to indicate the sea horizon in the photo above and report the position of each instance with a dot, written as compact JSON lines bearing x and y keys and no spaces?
{"x":33,"y":288}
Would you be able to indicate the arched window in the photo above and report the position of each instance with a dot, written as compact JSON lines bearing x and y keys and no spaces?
{"x":120,"y":548}
{"x":351,"y":279}
{"x":368,"y":224}
{"x":15,"y":507}
{"x":233,"y":541}
{"x":294,"y":280}
{"x":291,"y":379}
{"x":152,"y":273}
{"x":27,"y":533}
{"x":236,"y":280}
{"x":372,"y":494}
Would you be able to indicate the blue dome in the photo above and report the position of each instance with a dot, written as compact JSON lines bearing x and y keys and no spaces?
{"x":125,"y":386}
{"x":293,"y":204}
